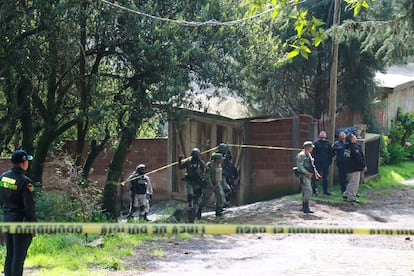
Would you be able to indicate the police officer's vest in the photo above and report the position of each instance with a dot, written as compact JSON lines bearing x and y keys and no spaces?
{"x":139,"y":185}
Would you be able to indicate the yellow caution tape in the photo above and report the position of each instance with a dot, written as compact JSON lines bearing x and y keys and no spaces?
{"x":137,"y":228}
{"x":212,"y":149}
{"x":264,"y":147}
{"x":167,"y":166}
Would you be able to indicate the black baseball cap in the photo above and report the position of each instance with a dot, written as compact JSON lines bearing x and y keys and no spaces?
{"x":20,"y":156}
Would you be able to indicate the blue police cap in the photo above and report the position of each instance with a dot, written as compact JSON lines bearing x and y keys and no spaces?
{"x":20,"y":156}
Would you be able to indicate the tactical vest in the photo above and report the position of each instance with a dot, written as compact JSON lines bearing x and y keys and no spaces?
{"x":218,"y":176}
{"x":139,"y":185}
{"x":193,"y":170}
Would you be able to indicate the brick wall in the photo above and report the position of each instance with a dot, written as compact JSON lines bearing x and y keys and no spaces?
{"x":151,"y":152}
{"x":265,"y":173}
{"x":270,"y":169}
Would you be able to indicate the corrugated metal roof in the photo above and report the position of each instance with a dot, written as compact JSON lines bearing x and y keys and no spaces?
{"x":397,"y":76}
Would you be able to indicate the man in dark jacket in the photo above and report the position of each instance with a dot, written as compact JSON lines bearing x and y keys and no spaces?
{"x":16,"y":199}
{"x":354,"y":166}
{"x":323,"y":159}
{"x":338,"y":150}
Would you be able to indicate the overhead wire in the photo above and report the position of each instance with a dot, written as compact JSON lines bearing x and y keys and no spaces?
{"x":211,"y":22}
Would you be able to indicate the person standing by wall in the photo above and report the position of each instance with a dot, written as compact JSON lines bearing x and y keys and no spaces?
{"x":17,"y":202}
{"x":338,"y":149}
{"x":306,"y":170}
{"x":323,"y":158}
{"x":140,"y":192}
{"x":354,"y":166}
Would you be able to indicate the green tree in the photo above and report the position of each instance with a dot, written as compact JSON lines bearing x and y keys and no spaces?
{"x":386,"y":30}
{"x":301,"y":85}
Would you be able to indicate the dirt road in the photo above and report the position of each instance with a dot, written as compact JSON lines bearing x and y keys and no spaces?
{"x":292,"y":254}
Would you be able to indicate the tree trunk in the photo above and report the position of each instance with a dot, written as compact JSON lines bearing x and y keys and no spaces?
{"x":112,"y":188}
{"x":83,"y":124}
{"x":95,"y":150}
{"x":26,"y":116}
{"x":36,"y":168}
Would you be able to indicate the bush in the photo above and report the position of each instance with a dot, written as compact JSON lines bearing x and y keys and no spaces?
{"x":397,"y":147}
{"x":53,"y":206}
{"x":384,"y":154}
{"x":68,"y":197}
{"x":397,"y":153}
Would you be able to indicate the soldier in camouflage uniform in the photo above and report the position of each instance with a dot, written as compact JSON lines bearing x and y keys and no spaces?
{"x":214,"y":183}
{"x":140,"y":192}
{"x":229,"y":173}
{"x":194,"y":178}
{"x":306,"y":170}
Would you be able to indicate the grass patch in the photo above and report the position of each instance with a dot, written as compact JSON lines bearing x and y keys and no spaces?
{"x":391,"y":176}
{"x":68,"y":254}
{"x":69,"y":251}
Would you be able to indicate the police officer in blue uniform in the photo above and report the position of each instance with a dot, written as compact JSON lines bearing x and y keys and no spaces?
{"x":323,"y":158}
{"x":338,"y":150}
{"x":17,"y":202}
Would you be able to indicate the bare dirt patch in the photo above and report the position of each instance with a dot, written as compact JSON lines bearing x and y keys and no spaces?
{"x":292,"y":254}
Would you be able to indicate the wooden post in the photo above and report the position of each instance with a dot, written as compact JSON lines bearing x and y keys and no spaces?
{"x":333,"y":84}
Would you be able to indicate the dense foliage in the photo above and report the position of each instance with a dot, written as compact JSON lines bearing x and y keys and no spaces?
{"x":399,"y":145}
{"x":99,"y":75}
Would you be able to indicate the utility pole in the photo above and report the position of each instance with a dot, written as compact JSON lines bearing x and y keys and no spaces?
{"x":333,"y":82}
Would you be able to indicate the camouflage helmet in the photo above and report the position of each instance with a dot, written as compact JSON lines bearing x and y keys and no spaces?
{"x":223,"y":148}
{"x":141,"y":168}
{"x":217,"y":155}
{"x":196,"y":153}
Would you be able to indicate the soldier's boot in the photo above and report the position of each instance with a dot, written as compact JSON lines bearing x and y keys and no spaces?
{"x":145,"y":217}
{"x":131,"y":212}
{"x":198,"y":215}
{"x":190,"y":200}
{"x":219,"y":212}
{"x":227,"y":198}
{"x":306,"y":208}
{"x":141,"y":212}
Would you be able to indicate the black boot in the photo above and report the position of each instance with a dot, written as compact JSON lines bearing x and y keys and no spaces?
{"x":145,"y":217}
{"x":131,"y":212}
{"x":219,"y":212}
{"x":199,"y":213}
{"x":227,"y":198}
{"x":306,"y":208}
